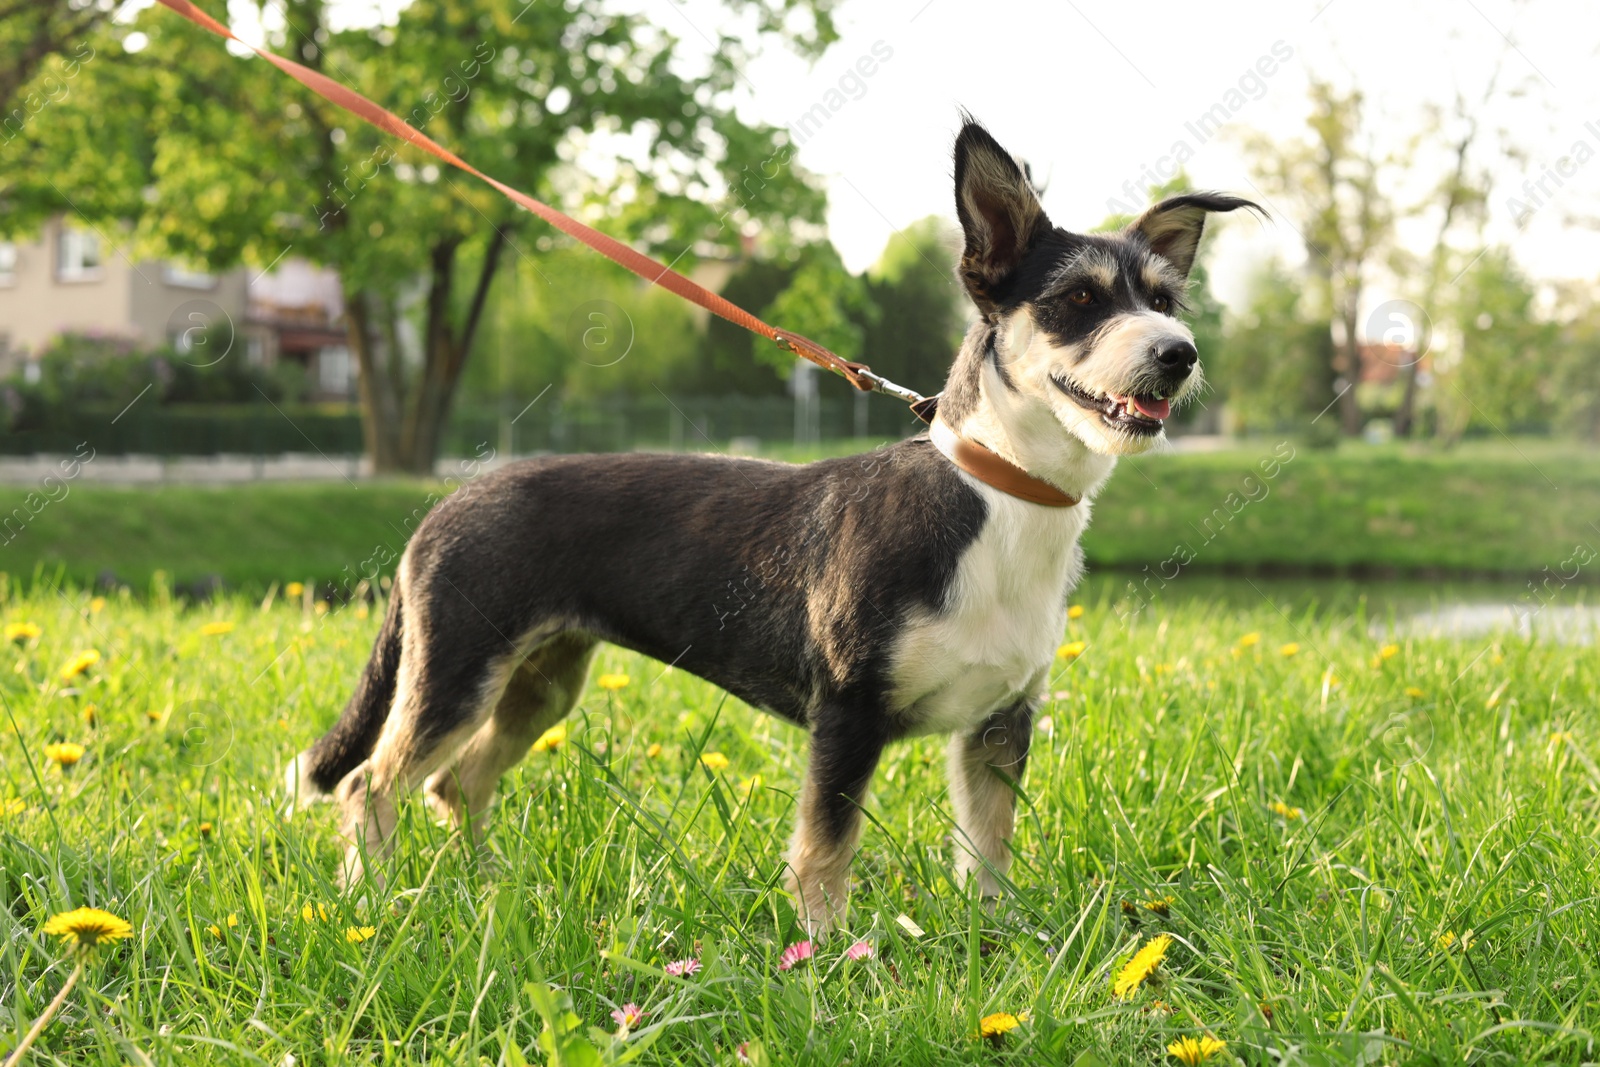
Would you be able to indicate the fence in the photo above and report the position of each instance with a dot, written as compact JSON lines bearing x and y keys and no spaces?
{"x":547,"y":425}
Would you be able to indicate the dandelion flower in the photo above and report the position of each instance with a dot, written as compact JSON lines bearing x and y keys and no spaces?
{"x":205,"y":829}
{"x":682,"y":968}
{"x":1075,"y":612}
{"x":1193,"y":1050}
{"x":1250,"y":639}
{"x":861,"y":950}
{"x":1414,"y":693}
{"x":1291,"y":649}
{"x":612,"y":682}
{"x":1159,"y":906}
{"x":310,"y":914}
{"x":22,"y":631}
{"x":714,"y":761}
{"x":1285,"y":810}
{"x":85,"y":929}
{"x":293,"y":589}
{"x":358,"y":934}
{"x":1141,"y":966}
{"x":552,"y":738}
{"x":214,"y":930}
{"x":91,"y":715}
{"x":748,"y":786}
{"x":798,"y":952}
{"x":64,"y":753}
{"x":653,"y":751}
{"x":97,"y":605}
{"x":12,"y":806}
{"x":78,"y":664}
{"x":233,"y":920}
{"x":1388,"y":652}
{"x":995,"y":1027}
{"x":1072,"y":649}
{"x":217,"y":629}
{"x":629,"y":1015}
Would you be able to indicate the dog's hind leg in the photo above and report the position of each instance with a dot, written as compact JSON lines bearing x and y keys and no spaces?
{"x":844,"y":754}
{"x":542,"y":690}
{"x":982,"y":766}
{"x":451,"y":678}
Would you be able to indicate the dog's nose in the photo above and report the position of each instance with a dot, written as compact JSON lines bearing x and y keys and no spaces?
{"x":1178,"y":356}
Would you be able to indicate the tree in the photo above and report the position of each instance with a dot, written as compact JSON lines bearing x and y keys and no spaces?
{"x":1271,"y":363}
{"x":919,"y":309}
{"x":220,"y":160}
{"x":32,"y":34}
{"x":1333,"y":178}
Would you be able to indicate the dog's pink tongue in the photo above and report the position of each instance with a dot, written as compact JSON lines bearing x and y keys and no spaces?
{"x":1155,"y":409}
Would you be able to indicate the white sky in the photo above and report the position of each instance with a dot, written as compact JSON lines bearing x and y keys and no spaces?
{"x":1091,"y":92}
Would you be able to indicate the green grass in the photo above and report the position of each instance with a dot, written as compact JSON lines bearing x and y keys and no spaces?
{"x":1483,"y":508}
{"x":1308,"y":939}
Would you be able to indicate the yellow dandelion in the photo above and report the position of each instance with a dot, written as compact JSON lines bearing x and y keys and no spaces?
{"x":1141,"y":966}
{"x":310,"y":914}
{"x":205,"y":829}
{"x":64,"y":753}
{"x":97,"y":605}
{"x":1250,"y":639}
{"x":714,"y":761}
{"x":552,"y":738}
{"x":1291,"y":649}
{"x":78,"y":664}
{"x":1160,"y":905}
{"x":1560,"y":737}
{"x":1449,"y":940}
{"x":1388,"y":652}
{"x":612,"y":682}
{"x":653,"y":751}
{"x":1193,"y":1050}
{"x":1414,"y":693}
{"x":1072,"y":649}
{"x":22,"y":631}
{"x":995,"y":1027}
{"x":1285,"y":810}
{"x":358,"y":934}
{"x":320,"y":608}
{"x":233,"y":920}
{"x":1075,"y":612}
{"x":748,"y":786}
{"x":91,"y":715}
{"x":214,"y":930}
{"x":12,"y":806}
{"x":294,"y":589}
{"x":217,"y":629}
{"x":88,"y":928}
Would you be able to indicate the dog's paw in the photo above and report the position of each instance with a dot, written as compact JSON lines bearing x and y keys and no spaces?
{"x":298,"y":786}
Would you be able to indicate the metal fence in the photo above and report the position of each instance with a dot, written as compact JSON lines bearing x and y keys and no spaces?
{"x":547,"y":425}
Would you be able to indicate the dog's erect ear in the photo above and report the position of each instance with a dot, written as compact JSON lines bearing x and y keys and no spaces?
{"x":1000,"y":215}
{"x":1173,"y":227}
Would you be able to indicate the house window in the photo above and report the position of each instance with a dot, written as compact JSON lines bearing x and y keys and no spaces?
{"x":333,"y":370}
{"x":183,"y":278}
{"x":8,"y":263}
{"x":77,"y":255}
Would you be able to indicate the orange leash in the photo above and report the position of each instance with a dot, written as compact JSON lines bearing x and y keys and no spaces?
{"x":859,"y":374}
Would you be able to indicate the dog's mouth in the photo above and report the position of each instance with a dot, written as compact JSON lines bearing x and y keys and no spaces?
{"x":1136,"y":413}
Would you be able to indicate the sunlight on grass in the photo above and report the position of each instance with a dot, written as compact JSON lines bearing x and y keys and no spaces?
{"x":1347,"y":850}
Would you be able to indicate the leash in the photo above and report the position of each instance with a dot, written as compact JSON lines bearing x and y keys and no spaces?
{"x":858,"y":374}
{"x":975,"y":459}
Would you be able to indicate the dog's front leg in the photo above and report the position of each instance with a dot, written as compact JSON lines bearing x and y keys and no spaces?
{"x":982,"y":765}
{"x":845,"y":746}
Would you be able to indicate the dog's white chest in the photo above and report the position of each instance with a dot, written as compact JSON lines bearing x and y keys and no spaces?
{"x":1006,"y":611}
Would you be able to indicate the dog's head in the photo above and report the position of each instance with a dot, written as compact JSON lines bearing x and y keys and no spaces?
{"x":1087,"y":324}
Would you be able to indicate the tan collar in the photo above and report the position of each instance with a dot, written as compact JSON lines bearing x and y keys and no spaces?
{"x":994,"y":469}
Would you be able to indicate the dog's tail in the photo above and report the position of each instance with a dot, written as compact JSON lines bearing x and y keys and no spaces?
{"x":312,"y":774}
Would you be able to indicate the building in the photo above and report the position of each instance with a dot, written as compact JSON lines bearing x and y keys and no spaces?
{"x":73,"y":279}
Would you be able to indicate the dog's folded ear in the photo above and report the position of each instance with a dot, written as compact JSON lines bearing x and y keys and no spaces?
{"x":999,"y":212}
{"x":1173,"y":227}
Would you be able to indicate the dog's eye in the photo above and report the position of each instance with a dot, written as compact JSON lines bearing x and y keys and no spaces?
{"x":1081,"y":297}
{"x":1161,"y":304}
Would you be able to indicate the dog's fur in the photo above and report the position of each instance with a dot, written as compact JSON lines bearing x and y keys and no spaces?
{"x":866,"y":599}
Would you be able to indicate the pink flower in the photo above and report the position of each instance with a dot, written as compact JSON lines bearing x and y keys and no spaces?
{"x":800,"y":950}
{"x":681,"y":968}
{"x":861,"y":950}
{"x":629,"y":1015}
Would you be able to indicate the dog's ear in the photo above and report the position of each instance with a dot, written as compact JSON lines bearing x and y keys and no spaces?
{"x":1000,"y":215}
{"x":1173,"y":227}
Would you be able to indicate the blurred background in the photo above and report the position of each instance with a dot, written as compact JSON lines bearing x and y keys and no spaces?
{"x":244,"y":336}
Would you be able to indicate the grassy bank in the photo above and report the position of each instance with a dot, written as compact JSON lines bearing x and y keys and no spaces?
{"x":1264,"y":505}
{"x":1360,"y":853}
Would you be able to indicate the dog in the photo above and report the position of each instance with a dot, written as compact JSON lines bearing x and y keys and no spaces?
{"x":919,"y":589}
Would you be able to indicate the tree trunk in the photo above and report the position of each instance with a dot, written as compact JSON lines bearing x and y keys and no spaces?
{"x":1405,"y":415}
{"x":1349,"y":403}
{"x":379,"y":405}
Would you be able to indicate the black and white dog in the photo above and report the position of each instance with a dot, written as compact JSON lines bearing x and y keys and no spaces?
{"x":866,"y":599}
